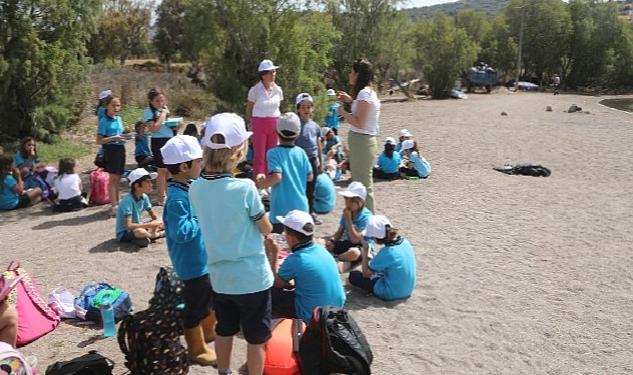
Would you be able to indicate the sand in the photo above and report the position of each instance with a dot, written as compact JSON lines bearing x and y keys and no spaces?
{"x":516,"y":275}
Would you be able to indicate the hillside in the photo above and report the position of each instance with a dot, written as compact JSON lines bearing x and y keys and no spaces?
{"x":485,"y":6}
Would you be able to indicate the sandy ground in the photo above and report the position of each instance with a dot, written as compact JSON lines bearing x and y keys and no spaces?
{"x":516,"y":275}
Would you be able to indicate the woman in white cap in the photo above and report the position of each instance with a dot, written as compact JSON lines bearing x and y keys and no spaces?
{"x":364,"y":126}
{"x":263,"y":112}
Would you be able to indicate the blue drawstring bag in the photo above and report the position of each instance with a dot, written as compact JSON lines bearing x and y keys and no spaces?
{"x":88,"y":303}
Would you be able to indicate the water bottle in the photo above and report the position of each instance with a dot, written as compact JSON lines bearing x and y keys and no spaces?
{"x":107,"y":317}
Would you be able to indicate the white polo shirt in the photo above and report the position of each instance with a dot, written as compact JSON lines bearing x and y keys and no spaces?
{"x":371,"y":123}
{"x":266,"y":103}
{"x":67,"y":186}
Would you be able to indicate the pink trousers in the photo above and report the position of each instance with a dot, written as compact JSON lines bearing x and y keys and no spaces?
{"x":264,"y":138}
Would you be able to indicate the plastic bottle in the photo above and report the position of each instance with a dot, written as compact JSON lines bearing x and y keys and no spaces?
{"x":107,"y":317}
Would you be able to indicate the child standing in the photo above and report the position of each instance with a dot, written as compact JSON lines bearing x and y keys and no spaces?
{"x":240,"y":273}
{"x":68,"y":186}
{"x":109,"y":135}
{"x":345,"y":243}
{"x":12,"y":193}
{"x":142,"y":153}
{"x":308,"y":140}
{"x":289,"y":172}
{"x":391,"y":274}
{"x":332,"y":120}
{"x":182,"y":156}
{"x":388,"y":161}
{"x":416,"y":165}
{"x":129,"y":227}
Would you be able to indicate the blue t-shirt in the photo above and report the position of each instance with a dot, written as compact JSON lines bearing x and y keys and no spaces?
{"x":332,"y":120}
{"x":111,"y":126}
{"x":329,"y":143}
{"x":317,"y":281}
{"x":21,"y":161}
{"x":150,"y":115}
{"x":396,"y":263}
{"x":324,"y":194}
{"x":308,"y":138}
{"x":182,"y":231}
{"x":360,"y":222}
{"x":129,"y":206}
{"x":389,"y":165}
{"x":228,"y":209}
{"x":290,"y":193}
{"x":421,"y":165}
{"x":142,"y":145}
{"x":8,"y":198}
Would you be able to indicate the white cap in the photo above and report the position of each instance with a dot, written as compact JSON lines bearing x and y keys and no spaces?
{"x":303,"y":96}
{"x":230,"y":125}
{"x":390,"y":141}
{"x":355,"y":189}
{"x":331,"y":92}
{"x":104,"y":94}
{"x":325,"y":130}
{"x":407,"y":144}
{"x":297,"y":220}
{"x":289,"y":122}
{"x":405,"y":133}
{"x":376,"y":227}
{"x":181,"y":149}
{"x":266,"y":65}
{"x":138,"y":173}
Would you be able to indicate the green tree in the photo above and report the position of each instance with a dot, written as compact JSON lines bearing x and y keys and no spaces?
{"x":444,"y":51}
{"x":43,"y":64}
{"x":395,"y":52}
{"x":169,"y":29}
{"x":498,"y":47}
{"x":476,"y":24}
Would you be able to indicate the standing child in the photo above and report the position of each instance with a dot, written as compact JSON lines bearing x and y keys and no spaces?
{"x":416,"y":165}
{"x":332,"y":120}
{"x":182,"y":156}
{"x":68,"y":186}
{"x":240,"y":273}
{"x":308,"y":140}
{"x":404,"y":135}
{"x":12,"y":193}
{"x":345,"y":243}
{"x":391,"y":274}
{"x":388,"y":162}
{"x":289,"y":171}
{"x":129,"y":225}
{"x":110,"y":136}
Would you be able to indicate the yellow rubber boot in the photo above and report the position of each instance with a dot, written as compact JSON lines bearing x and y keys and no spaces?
{"x":199,"y":352}
{"x":208,"y":327}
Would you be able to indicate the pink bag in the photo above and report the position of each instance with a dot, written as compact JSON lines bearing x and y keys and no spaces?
{"x":99,"y":180}
{"x":35,"y":317}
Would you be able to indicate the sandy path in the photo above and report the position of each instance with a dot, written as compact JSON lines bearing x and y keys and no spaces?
{"x":516,"y":275}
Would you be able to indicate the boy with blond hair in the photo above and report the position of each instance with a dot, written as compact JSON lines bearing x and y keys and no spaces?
{"x":232,"y":220}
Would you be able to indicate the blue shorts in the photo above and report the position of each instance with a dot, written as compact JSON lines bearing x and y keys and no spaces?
{"x":128,"y":236}
{"x":251,"y":311}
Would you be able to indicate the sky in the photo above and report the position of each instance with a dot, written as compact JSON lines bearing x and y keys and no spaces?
{"x":423,"y":3}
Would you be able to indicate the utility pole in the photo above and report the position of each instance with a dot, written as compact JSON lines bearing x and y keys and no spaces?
{"x":516,"y":82}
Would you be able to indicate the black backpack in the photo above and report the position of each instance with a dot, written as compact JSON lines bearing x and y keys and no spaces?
{"x":150,"y":339}
{"x":333,"y":343}
{"x":92,"y":363}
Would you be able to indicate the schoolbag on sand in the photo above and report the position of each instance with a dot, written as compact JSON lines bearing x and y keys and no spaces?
{"x":92,"y":363}
{"x":282,"y":348}
{"x":333,"y":343}
{"x":12,"y":362}
{"x":34,"y":180}
{"x":150,"y":339}
{"x":88,"y":303}
{"x":35,"y":317}
{"x":99,"y":187}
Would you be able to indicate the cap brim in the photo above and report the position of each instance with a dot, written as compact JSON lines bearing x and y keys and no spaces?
{"x":349,"y":194}
{"x":280,"y":219}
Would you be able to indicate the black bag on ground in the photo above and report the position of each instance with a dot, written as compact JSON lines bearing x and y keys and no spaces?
{"x":168,"y":288}
{"x":92,"y":363}
{"x":333,"y":343}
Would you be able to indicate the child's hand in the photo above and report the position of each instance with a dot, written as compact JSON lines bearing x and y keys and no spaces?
{"x":367,"y":273}
{"x":271,"y":246}
{"x":116,"y":138}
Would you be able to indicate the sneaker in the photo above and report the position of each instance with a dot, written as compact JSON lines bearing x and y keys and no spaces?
{"x":316,"y":219}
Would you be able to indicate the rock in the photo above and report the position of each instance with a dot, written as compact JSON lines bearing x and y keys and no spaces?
{"x":548,"y":108}
{"x":503,"y":114}
{"x":574,"y":108}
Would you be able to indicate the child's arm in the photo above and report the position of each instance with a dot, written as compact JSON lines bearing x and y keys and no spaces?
{"x":272,"y":253}
{"x":156,"y":124}
{"x":18,"y":188}
{"x":129,"y":225}
{"x":365,"y":262}
{"x":264,"y":225}
{"x":264,"y":182}
{"x":185,"y":227}
{"x":354,"y":234}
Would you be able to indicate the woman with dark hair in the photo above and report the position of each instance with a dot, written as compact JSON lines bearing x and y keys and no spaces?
{"x":263,"y":112}
{"x":364,"y":127}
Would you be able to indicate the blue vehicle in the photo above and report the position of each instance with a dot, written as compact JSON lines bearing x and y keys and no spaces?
{"x":482,"y":76}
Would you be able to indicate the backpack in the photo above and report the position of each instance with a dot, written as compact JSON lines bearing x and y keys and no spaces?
{"x":99,"y":187}
{"x":282,"y":348}
{"x":88,"y":303}
{"x":34,"y":180}
{"x":92,"y":363}
{"x":12,"y":362}
{"x":168,"y":289}
{"x":333,"y":343}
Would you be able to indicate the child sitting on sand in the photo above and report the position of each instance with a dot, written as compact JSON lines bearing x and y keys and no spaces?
{"x":388,"y":162}
{"x":415,"y":165}
{"x":12,"y":192}
{"x":69,"y":189}
{"x":391,"y":273}
{"x":404,"y":135}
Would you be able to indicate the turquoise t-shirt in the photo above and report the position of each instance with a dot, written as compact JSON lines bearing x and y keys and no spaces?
{"x":21,"y":161}
{"x":129,"y":206}
{"x":422,"y":166}
{"x":317,"y":281}
{"x":8,"y":198}
{"x":332,"y":120}
{"x":324,"y":194}
{"x":290,"y":193}
{"x":389,"y":165}
{"x":141,"y":143}
{"x":360,"y":222}
{"x":228,"y":209}
{"x":149,"y":115}
{"x":111,"y":126}
{"x":396,"y":263}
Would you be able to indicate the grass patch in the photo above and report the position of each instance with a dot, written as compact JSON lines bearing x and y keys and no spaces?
{"x":130,"y":115}
{"x":51,"y":153}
